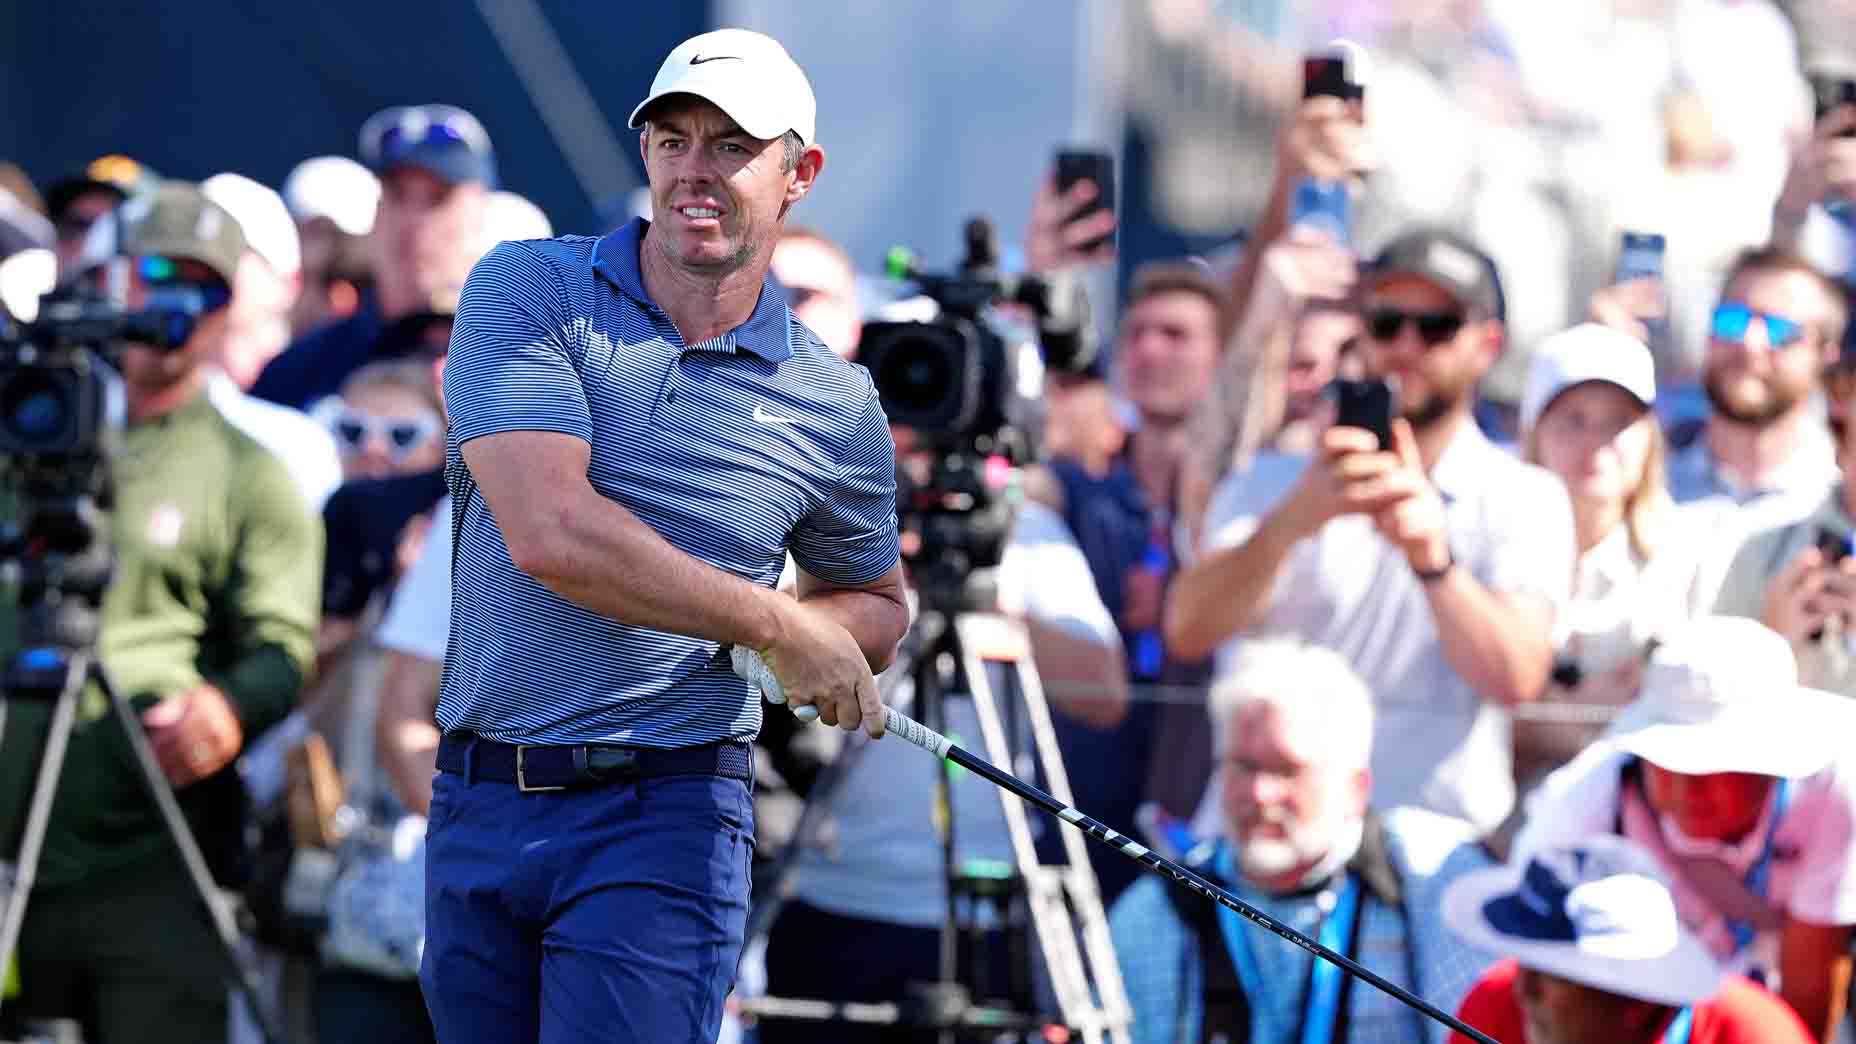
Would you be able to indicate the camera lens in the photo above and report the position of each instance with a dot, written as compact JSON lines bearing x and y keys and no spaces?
{"x":916,"y":371}
{"x":34,"y":409}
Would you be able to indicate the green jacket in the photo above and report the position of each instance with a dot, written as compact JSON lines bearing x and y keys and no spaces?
{"x":217,"y":579}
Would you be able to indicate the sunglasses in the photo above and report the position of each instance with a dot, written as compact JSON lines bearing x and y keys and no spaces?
{"x":401,"y":435}
{"x":1732,"y":319}
{"x":393,"y":133}
{"x":1434,"y":328}
{"x":180,"y":284}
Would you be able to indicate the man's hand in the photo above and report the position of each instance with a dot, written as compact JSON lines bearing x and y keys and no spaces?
{"x":1825,"y":168}
{"x":1053,"y":241}
{"x":817,"y":662}
{"x":1625,"y":306}
{"x":1326,"y":140}
{"x":194,"y":734}
{"x":1348,"y":475}
{"x":1794,"y":604}
{"x":1415,"y":520}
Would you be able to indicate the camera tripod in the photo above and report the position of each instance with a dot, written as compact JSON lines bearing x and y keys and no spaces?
{"x":962,"y":630}
{"x":58,"y":637}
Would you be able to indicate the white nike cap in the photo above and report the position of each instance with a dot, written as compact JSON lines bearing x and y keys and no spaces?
{"x":747,"y":75}
{"x":262,"y":215}
{"x":1587,"y":352}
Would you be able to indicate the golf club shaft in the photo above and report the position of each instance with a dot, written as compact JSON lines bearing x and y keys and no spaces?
{"x":749,"y":665}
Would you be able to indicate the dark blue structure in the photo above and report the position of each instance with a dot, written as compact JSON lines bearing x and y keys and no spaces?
{"x":203,"y":86}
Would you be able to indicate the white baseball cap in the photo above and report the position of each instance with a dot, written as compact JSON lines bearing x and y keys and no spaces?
{"x":1587,"y":352}
{"x":334,"y":187}
{"x":1599,"y":913}
{"x":269,"y":229}
{"x":511,"y":216}
{"x":1722,"y":695}
{"x":747,"y":75}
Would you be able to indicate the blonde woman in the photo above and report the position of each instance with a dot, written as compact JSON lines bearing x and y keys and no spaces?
{"x":1586,"y":417}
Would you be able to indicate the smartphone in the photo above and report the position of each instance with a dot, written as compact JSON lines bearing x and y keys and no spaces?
{"x":1369,"y":405}
{"x":1074,"y":165}
{"x":1322,"y":205}
{"x":1640,"y":256}
{"x":1336,"y":71}
{"x":1829,"y":92}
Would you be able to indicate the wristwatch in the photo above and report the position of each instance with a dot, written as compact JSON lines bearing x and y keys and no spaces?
{"x":1428,"y":575}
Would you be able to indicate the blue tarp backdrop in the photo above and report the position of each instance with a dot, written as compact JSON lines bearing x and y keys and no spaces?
{"x":201,"y":86}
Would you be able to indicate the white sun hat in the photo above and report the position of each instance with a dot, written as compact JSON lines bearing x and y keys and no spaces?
{"x":1598,"y":913}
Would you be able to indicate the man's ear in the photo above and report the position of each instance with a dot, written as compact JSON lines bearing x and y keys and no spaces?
{"x":1494,"y":340}
{"x":805,"y":173}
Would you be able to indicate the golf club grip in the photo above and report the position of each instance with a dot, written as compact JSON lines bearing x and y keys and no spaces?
{"x":749,"y":665}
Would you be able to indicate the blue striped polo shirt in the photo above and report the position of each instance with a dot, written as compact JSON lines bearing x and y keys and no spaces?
{"x":736,"y":450}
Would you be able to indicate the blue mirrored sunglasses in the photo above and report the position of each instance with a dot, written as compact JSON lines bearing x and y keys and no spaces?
{"x":1732,"y":320}
{"x":395,"y":132}
{"x":169,"y":288}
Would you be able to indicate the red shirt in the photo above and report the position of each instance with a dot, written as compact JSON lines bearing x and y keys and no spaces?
{"x":1744,"y":1012}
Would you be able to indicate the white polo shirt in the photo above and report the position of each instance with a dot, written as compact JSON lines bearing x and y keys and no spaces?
{"x":1436,"y":743}
{"x":418,"y":620}
{"x":1621,"y":600}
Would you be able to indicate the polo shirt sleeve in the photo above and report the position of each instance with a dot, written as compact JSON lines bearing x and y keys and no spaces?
{"x":1245,"y":496}
{"x":1821,"y":825}
{"x":850,"y":538}
{"x":511,"y":365}
{"x":1044,"y":574}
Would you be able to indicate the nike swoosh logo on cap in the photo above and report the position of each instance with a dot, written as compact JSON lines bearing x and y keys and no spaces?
{"x":699,"y":59}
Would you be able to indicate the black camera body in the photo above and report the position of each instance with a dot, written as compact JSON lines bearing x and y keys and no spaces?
{"x":953,"y":382}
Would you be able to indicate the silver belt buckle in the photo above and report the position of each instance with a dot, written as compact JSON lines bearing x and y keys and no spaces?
{"x":521,"y":774}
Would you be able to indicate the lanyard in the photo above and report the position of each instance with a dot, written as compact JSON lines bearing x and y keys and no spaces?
{"x":1321,"y":1012}
{"x":1677,"y":1033}
{"x":1761,"y":870}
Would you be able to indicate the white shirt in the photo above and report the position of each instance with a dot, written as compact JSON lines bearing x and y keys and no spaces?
{"x":1621,"y":600}
{"x":418,"y":620}
{"x":1813,"y":854}
{"x":306,"y":448}
{"x":1436,"y":743}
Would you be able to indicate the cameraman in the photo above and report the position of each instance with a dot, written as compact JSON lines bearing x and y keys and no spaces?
{"x":207,"y":629}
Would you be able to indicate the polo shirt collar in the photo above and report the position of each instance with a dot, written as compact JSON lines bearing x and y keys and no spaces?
{"x":767,"y":333}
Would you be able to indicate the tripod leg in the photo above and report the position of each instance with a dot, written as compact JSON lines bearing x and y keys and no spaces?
{"x":238,"y":971}
{"x":39,"y":814}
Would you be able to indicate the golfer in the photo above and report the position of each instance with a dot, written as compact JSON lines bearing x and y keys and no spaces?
{"x":640,"y":433}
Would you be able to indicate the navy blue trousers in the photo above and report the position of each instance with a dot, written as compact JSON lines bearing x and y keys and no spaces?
{"x":614,"y":914}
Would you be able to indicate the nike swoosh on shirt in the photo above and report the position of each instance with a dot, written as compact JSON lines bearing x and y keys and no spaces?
{"x":699,"y":59}
{"x":761,"y":414}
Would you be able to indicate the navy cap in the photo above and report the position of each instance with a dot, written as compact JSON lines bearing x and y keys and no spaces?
{"x":442,"y":139}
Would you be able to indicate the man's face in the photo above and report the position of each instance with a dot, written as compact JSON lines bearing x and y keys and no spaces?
{"x":1314,"y":357}
{"x":823,"y":290}
{"x":1169,"y":353}
{"x":74,"y":224}
{"x":1284,"y":805}
{"x":1755,"y":380}
{"x":717,"y":193}
{"x":1722,"y":806}
{"x":1558,"y":1011}
{"x":1435,"y":374}
{"x":258,"y":321}
{"x":146,"y":370}
{"x":428,"y":232}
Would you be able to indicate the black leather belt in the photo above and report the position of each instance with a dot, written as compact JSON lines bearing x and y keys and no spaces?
{"x":579,"y":766}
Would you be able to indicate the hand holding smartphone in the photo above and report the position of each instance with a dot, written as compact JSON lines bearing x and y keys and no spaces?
{"x":1094,"y":166}
{"x":1368,"y":404}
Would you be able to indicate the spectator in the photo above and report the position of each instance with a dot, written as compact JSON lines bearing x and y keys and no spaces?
{"x":1797,"y":578}
{"x":207,"y":629}
{"x":821,"y":284}
{"x":1122,"y":518}
{"x":261,"y":292}
{"x":270,"y":276}
{"x":1762,"y":450}
{"x":333,"y":200}
{"x":1733,"y":777}
{"x":1434,"y":565}
{"x":436,"y":172}
{"x":1595,"y":954}
{"x":389,"y":421}
{"x":1295,"y":838}
{"x":1586,"y":416}
{"x":75,"y":203}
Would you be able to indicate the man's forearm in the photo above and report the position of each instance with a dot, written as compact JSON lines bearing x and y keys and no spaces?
{"x":876,"y":619}
{"x":1227,"y":590}
{"x":599,"y":555}
{"x":1505,"y":657}
{"x":1084,"y":678}
{"x":404,"y":733}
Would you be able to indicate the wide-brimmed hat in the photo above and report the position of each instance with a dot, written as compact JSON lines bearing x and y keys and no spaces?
{"x":1598,"y":913}
{"x":1722,"y":695}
